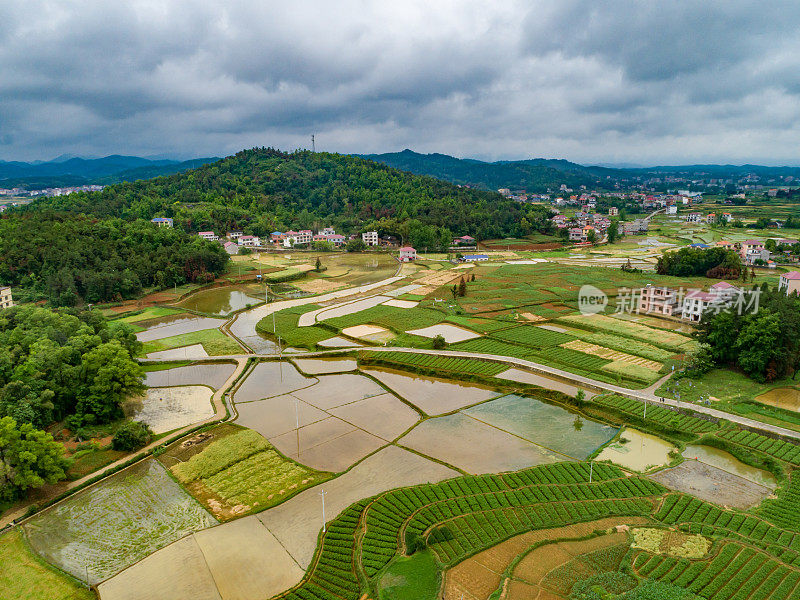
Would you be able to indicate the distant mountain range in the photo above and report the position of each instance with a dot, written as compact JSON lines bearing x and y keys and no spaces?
{"x":541,"y":174}
{"x":66,"y":171}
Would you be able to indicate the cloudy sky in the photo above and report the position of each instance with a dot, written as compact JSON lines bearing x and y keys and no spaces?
{"x":613,"y":81}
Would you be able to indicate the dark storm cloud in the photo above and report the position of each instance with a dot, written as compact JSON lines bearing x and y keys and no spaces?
{"x":630,"y":81}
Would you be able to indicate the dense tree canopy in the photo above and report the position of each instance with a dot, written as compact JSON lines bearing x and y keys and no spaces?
{"x":765,"y":344}
{"x":29,"y":458}
{"x":711,"y":262}
{"x":65,"y":257}
{"x":65,"y":364}
{"x":261,"y":190}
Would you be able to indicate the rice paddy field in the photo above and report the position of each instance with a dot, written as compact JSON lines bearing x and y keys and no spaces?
{"x":103,"y":529}
{"x":526,"y":311}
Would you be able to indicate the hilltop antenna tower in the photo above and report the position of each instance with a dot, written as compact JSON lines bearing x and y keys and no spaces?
{"x":313,"y":146}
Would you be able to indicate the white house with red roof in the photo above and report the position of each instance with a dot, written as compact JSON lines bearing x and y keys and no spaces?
{"x":696,"y":302}
{"x":208,"y":235}
{"x":408,"y":254}
{"x":753,"y":250}
{"x":790,"y":282}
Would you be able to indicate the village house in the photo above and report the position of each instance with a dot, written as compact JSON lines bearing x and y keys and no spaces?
{"x":234,"y":235}
{"x":711,"y":218}
{"x":474,"y":258}
{"x":249,"y":241}
{"x":370,"y":238}
{"x":788,"y":281}
{"x":613,"y":211}
{"x":576,"y":234}
{"x":162,"y":221}
{"x":208,"y":235}
{"x":696,"y":302}
{"x":727,"y":217}
{"x":753,"y":250}
{"x":408,"y":254}
{"x":231,"y":247}
{"x":659,"y":300}
{"x":694,"y":217}
{"x":5,"y":297}
{"x":464,"y":240}
{"x":672,"y":210}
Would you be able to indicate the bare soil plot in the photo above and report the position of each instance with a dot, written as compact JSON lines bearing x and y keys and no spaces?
{"x":214,"y":376}
{"x":177,"y":327}
{"x":365,"y":331}
{"x":165,"y":409}
{"x":542,"y":381}
{"x":517,"y":590}
{"x":432,"y":395}
{"x":247,"y":561}
{"x":727,"y":462}
{"x":450,"y":333}
{"x":110,"y":526}
{"x":268,"y":379}
{"x":328,"y":445}
{"x":473,"y":446}
{"x":296,"y":522}
{"x":712,"y":484}
{"x":785,"y":397}
{"x":185,"y":352}
{"x":401,"y":303}
{"x":275,"y":416}
{"x":641,"y":452}
{"x":317,"y":366}
{"x":335,"y":390}
{"x":385,"y":415}
{"x":177,"y":572}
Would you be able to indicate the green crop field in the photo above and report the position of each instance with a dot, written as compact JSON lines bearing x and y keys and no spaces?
{"x":463,"y":366}
{"x":214,"y":342}
{"x":658,"y":414}
{"x":245,"y":471}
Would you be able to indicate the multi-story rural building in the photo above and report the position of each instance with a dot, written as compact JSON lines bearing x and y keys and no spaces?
{"x":408,"y":254}
{"x":208,"y":235}
{"x":696,"y":302}
{"x":370,"y":238}
{"x":5,"y":297}
{"x":658,"y":299}
{"x":789,"y":281}
{"x":249,"y":241}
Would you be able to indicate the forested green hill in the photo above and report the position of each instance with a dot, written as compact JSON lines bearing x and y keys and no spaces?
{"x":263,"y":189}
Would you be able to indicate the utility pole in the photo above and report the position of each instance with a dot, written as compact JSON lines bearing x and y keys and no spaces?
{"x":591,"y":467}
{"x":322,"y":494}
{"x":313,"y":144}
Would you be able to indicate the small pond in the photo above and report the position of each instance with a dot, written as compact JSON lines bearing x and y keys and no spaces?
{"x":222,"y":300}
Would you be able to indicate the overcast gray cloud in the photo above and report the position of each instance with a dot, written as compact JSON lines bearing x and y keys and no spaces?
{"x":628,"y":81}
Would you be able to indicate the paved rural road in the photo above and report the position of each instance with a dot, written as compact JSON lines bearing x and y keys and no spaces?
{"x":646,"y":395}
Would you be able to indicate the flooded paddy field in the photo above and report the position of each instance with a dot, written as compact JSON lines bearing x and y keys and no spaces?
{"x":241,"y":560}
{"x":475,"y":447}
{"x":338,"y":342}
{"x":370,"y":333}
{"x":433,"y":395}
{"x":712,"y":484}
{"x":175,"y":326}
{"x":211,"y":375}
{"x":384,"y":415}
{"x":317,"y":366}
{"x":110,"y":526}
{"x":641,"y":452}
{"x":544,"y":424}
{"x":223,"y":300}
{"x":271,"y":378}
{"x":296,"y":522}
{"x":727,"y":462}
{"x":522,"y":376}
{"x":165,"y":409}
{"x":334,"y":390}
{"x":185,"y":352}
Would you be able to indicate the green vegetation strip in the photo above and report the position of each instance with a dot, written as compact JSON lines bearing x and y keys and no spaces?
{"x":431,"y":362}
{"x":660,"y":415}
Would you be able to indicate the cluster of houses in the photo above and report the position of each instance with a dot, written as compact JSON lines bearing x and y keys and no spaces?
{"x":754,"y":252}
{"x":710,"y":218}
{"x":691,"y":305}
{"x":584,"y":222}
